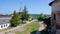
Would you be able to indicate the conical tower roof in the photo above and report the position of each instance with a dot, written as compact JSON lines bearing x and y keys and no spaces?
{"x":21,"y":9}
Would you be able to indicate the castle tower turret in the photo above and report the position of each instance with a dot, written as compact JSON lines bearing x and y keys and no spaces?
{"x":21,"y":9}
{"x":55,"y":15}
{"x":55,"y":11}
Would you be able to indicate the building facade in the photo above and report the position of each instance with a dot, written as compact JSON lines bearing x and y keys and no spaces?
{"x":4,"y":25}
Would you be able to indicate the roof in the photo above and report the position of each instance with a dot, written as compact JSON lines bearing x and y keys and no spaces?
{"x":21,"y":9}
{"x":4,"y":21}
{"x":51,"y":3}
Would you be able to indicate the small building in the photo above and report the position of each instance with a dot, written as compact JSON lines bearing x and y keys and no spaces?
{"x":4,"y":23}
{"x":55,"y":14}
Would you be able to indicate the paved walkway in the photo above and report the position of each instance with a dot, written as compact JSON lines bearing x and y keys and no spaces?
{"x":42,"y":27}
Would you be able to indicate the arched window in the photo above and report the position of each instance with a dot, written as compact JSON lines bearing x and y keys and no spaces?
{"x":1,"y":26}
{"x":54,"y":16}
{"x":4,"y":25}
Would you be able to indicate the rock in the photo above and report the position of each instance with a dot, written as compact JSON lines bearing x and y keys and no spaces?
{"x":58,"y":31}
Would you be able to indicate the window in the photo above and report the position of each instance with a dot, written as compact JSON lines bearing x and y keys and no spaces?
{"x":54,"y":17}
{"x":1,"y":26}
{"x":4,"y":25}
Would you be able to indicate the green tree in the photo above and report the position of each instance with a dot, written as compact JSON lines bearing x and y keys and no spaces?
{"x":25,"y":16}
{"x":41,"y":18}
{"x":15,"y":19}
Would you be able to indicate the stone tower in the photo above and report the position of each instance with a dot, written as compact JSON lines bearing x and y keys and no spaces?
{"x":21,"y":9}
{"x":55,"y":15}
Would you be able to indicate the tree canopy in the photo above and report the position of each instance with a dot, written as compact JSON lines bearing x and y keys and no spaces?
{"x":41,"y":17}
{"x":15,"y":20}
{"x":25,"y":16}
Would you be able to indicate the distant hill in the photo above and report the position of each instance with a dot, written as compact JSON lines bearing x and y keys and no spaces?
{"x":5,"y":15}
{"x":34,"y":14}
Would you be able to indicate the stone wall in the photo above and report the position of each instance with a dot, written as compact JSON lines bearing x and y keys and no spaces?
{"x":55,"y":17}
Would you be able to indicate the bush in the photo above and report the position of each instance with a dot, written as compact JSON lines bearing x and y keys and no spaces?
{"x":41,"y":18}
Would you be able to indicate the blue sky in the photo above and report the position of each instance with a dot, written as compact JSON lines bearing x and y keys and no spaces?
{"x":33,"y":6}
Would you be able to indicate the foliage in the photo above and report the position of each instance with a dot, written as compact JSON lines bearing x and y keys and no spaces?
{"x":44,"y":32}
{"x":5,"y":29}
{"x":15,"y":19}
{"x":41,"y":18}
{"x":48,"y":21}
{"x":25,"y":16}
{"x":28,"y":29}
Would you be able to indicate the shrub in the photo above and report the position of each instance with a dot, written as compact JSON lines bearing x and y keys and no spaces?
{"x":41,"y":18}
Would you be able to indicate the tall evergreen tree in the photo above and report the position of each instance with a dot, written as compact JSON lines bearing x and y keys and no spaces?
{"x":15,"y":19}
{"x":25,"y":16}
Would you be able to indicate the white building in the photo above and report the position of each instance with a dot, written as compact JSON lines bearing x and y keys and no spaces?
{"x":4,"y":23}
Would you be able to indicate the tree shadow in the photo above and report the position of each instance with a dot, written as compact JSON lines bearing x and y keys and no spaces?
{"x":40,"y":32}
{"x":33,"y":32}
{"x":44,"y":32}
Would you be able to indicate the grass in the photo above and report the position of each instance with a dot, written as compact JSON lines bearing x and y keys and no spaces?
{"x":28,"y":29}
{"x":5,"y":29}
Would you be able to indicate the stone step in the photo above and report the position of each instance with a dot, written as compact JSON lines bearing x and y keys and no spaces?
{"x":58,"y":31}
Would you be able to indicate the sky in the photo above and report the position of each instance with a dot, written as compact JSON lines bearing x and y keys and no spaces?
{"x":33,"y":6}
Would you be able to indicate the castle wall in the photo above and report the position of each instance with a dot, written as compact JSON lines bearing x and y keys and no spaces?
{"x":56,"y":7}
{"x":56,"y":11}
{"x":55,"y":16}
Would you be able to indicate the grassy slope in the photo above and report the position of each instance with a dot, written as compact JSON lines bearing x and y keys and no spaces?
{"x":29,"y":28}
{"x":5,"y":29}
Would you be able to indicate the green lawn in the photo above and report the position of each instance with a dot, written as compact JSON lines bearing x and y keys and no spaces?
{"x":30,"y":28}
{"x":5,"y":29}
